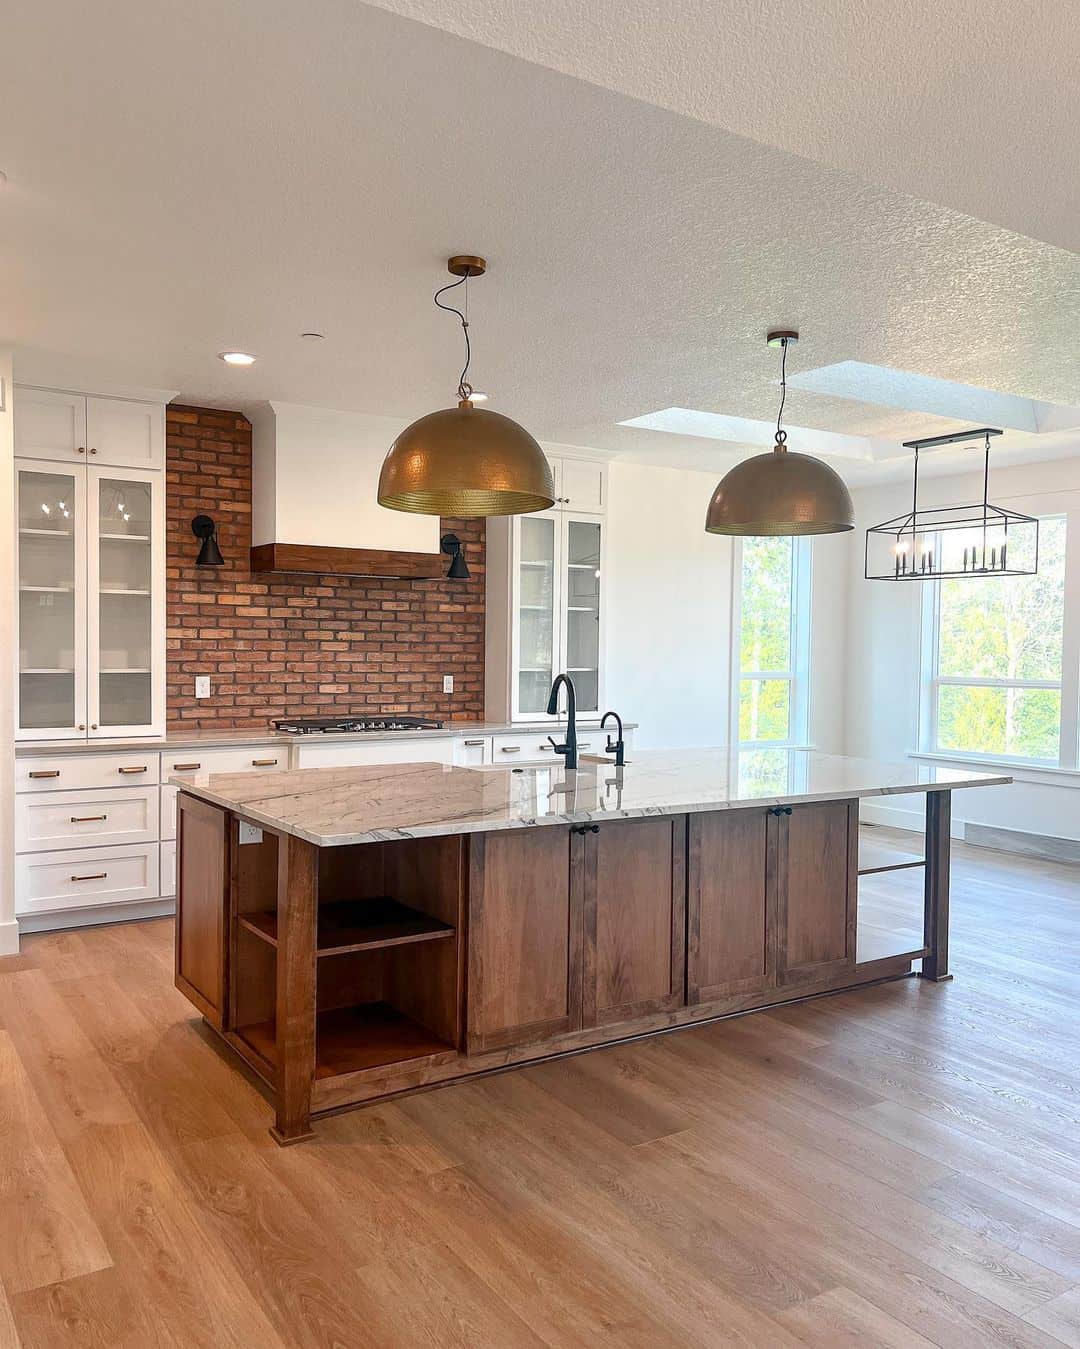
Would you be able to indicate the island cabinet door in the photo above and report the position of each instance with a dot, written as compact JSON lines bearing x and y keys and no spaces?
{"x":730,"y":911}
{"x":814,"y":862}
{"x":524,"y":951}
{"x":202,"y":881}
{"x":633,"y":876}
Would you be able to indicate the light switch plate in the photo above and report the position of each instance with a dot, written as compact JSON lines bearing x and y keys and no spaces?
{"x":448,"y":683}
{"x":250,"y":833}
{"x":202,"y":686}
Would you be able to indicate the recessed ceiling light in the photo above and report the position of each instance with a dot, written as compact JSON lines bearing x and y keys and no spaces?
{"x":478,"y":396}
{"x":236,"y":358}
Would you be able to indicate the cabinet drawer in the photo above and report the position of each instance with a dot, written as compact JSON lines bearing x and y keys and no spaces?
{"x":83,"y":877}
{"x":168,"y":870}
{"x":168,"y":812}
{"x":258,"y":758}
{"x":472,"y":751}
{"x":116,"y":815}
{"x":66,"y":772}
{"x":534,"y":746}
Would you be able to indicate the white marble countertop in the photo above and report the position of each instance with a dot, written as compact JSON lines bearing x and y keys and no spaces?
{"x":332,"y":807}
{"x":179,"y":739}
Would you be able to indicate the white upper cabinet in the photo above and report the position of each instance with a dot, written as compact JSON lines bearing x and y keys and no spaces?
{"x":51,"y":424}
{"x":580,"y":485}
{"x":90,"y":565}
{"x":545,"y":614}
{"x":124,"y":433}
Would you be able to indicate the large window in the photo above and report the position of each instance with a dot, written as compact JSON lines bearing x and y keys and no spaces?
{"x":995,"y":660}
{"x":772,"y":618}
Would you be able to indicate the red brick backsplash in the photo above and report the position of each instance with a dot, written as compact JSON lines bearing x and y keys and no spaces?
{"x":276,"y":646}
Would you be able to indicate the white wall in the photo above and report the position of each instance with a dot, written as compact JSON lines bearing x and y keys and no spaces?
{"x":9,"y":932}
{"x":669,"y":614}
{"x":883,"y":647}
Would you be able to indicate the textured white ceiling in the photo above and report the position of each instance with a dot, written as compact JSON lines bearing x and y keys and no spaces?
{"x":185,"y":179}
{"x":971,"y":103}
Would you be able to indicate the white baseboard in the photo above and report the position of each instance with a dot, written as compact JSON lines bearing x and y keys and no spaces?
{"x":9,"y":938}
{"x":92,"y":917}
{"x":897,"y":817}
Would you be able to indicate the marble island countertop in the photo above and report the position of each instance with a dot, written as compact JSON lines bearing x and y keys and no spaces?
{"x":332,"y":807}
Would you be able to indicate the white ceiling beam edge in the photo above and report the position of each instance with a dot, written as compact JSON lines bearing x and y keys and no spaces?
{"x":860,"y":382}
{"x":760,"y":434}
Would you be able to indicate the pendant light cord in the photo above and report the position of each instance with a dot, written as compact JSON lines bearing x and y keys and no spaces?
{"x":464,"y":387}
{"x":781,"y":436}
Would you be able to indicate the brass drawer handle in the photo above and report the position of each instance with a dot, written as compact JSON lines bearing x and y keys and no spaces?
{"x":87,"y":819}
{"x":263,"y":763}
{"x":142,"y":769}
{"x":473,"y":742}
{"x":185,"y":767}
{"x":509,"y":749}
{"x":97,"y":876}
{"x":44,"y":773}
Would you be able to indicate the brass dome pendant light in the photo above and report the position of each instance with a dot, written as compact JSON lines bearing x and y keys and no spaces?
{"x":780,"y":493}
{"x":465,"y":461}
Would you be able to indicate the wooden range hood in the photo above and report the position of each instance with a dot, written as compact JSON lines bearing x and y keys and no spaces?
{"x":316,"y":559}
{"x":315,"y":509}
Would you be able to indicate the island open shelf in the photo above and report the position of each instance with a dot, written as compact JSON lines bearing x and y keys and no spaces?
{"x":357,"y":925}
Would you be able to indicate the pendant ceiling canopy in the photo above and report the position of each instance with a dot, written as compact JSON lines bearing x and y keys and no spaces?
{"x":465,"y":461}
{"x":781,"y":492}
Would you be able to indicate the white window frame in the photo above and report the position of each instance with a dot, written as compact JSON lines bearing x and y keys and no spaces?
{"x":1069,"y":685}
{"x":798,"y":673}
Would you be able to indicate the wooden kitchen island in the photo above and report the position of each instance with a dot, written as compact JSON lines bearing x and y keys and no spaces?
{"x":355,"y":933}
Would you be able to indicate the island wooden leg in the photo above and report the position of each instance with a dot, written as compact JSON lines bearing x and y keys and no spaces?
{"x":936,"y":894}
{"x":297,"y":905}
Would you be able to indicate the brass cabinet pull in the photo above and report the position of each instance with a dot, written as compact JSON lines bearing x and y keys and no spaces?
{"x":97,"y":876}
{"x":141,"y":769}
{"x":93,"y":451}
{"x":473,"y":742}
{"x":44,"y":773}
{"x":263,"y":763}
{"x":509,"y":749}
{"x":87,"y":819}
{"x":81,"y":449}
{"x":185,"y":767}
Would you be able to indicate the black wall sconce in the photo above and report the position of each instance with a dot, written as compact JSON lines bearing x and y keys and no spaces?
{"x":451,"y":545}
{"x":209,"y":553}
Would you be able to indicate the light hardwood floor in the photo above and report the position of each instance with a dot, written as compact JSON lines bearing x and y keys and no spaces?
{"x":895,"y":1167}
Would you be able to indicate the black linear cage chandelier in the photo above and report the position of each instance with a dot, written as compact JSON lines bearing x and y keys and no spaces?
{"x":976,"y":540}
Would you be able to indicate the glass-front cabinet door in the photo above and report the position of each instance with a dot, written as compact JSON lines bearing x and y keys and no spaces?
{"x":581,"y":591}
{"x":125,"y":616}
{"x":51,"y":559}
{"x":536,"y":619}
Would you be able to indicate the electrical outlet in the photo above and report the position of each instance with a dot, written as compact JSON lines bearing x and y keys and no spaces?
{"x":202,"y":686}
{"x":250,"y":833}
{"x":448,"y":683}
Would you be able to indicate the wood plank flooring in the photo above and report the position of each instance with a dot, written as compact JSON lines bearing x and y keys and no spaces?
{"x":894,"y":1167}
